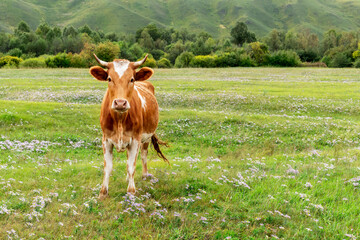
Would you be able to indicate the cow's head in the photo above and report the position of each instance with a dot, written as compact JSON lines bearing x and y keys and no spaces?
{"x":121,"y":75}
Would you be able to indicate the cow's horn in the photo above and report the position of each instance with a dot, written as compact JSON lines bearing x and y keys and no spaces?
{"x":139,"y":63}
{"x":101,"y":62}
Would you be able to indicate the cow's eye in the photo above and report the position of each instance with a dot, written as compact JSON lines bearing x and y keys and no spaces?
{"x":109,"y":79}
{"x":132,"y":80}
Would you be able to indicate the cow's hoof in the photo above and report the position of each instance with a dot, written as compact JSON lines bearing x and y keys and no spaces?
{"x":131,"y":190}
{"x":103,"y":196}
{"x":147,"y":175}
{"x":103,"y":193}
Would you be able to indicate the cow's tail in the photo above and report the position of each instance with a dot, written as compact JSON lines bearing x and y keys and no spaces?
{"x":156,"y":142}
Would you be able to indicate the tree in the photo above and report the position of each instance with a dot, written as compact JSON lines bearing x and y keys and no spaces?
{"x":69,"y":31}
{"x":331,"y":40}
{"x":291,"y":41}
{"x":240,"y":34}
{"x":275,"y":40}
{"x":4,"y":42}
{"x":184,"y":59}
{"x":42,"y":30}
{"x":112,"y":37}
{"x":85,"y":29}
{"x":146,"y":40}
{"x":22,"y":27}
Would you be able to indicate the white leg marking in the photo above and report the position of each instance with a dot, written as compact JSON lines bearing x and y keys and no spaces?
{"x":108,"y":157}
{"x":133,"y":151}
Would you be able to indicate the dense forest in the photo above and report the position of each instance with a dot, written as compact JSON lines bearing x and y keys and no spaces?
{"x":51,"y":46}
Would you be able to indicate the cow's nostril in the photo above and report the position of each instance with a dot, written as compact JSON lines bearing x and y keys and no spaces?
{"x":120,"y":103}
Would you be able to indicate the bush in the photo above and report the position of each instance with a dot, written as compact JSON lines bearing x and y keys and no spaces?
{"x":61,"y":60}
{"x":257,"y":51}
{"x":308,"y":56}
{"x":10,"y":61}
{"x":233,"y":60}
{"x":107,"y":51}
{"x":15,"y":52}
{"x":357,"y":63}
{"x":184,"y":59}
{"x":157,"y":53}
{"x":283,"y":59}
{"x":326,"y":60}
{"x":33,"y":63}
{"x":340,"y":60}
{"x":77,"y":61}
{"x":246,"y":61}
{"x":313,"y":64}
{"x":164,"y":63}
{"x":150,"y":61}
{"x":135,"y":52}
{"x":203,"y":61}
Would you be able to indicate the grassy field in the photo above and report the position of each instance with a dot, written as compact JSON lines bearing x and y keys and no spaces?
{"x":255,"y":153}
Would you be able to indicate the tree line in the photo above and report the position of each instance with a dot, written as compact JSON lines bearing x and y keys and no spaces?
{"x":52,"y":46}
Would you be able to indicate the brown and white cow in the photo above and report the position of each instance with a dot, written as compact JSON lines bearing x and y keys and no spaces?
{"x":129,"y":116}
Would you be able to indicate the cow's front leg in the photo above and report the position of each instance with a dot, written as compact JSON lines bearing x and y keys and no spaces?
{"x":108,"y":164}
{"x":133,"y":151}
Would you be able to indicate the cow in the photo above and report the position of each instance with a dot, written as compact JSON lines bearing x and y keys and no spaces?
{"x":129,"y":116}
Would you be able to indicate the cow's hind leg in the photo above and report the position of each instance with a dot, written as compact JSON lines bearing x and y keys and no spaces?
{"x":108,"y":164}
{"x":133,"y":151}
{"x":144,"y":153}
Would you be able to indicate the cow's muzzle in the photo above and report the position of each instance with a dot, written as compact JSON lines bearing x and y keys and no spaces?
{"x":120,"y":105}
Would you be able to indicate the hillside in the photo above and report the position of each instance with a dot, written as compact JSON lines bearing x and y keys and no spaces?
{"x":214,"y":16}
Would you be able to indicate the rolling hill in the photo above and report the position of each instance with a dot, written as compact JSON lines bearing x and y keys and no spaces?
{"x":214,"y":16}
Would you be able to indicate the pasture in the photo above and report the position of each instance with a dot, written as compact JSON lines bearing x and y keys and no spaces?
{"x":255,"y":153}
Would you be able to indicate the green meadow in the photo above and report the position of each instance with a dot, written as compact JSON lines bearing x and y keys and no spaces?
{"x":255,"y":153}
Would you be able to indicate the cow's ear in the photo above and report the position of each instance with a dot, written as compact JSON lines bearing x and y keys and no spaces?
{"x":144,"y":74}
{"x":98,"y":73}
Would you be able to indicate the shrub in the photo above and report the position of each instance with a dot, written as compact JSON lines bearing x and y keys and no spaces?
{"x":107,"y":51}
{"x":15,"y":52}
{"x":33,"y":63}
{"x":184,"y":59}
{"x":313,"y":64}
{"x":326,"y":60}
{"x":283,"y":59}
{"x":257,"y":51}
{"x":246,"y":61}
{"x":308,"y":56}
{"x":164,"y":63}
{"x":10,"y":61}
{"x":356,"y":54}
{"x":135,"y":52}
{"x":157,"y":53}
{"x":357,"y":63}
{"x":77,"y":61}
{"x":150,"y":61}
{"x":234,"y":60}
{"x":340,"y":60}
{"x":204,"y":61}
{"x":61,"y":60}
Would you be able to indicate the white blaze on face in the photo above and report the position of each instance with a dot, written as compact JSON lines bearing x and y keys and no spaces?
{"x":142,"y":99}
{"x":121,"y":66}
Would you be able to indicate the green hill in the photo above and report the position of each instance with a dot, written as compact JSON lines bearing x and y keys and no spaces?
{"x":214,"y":16}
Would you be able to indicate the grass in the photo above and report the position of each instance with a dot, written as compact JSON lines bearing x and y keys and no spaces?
{"x":255,"y":153}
